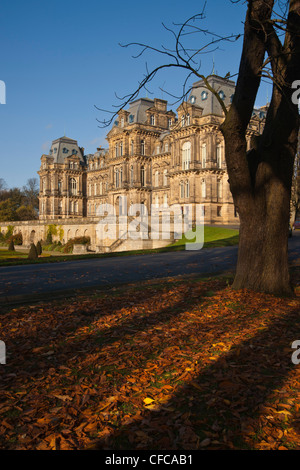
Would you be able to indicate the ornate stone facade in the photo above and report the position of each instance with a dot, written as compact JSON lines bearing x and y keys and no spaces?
{"x":154,"y":157}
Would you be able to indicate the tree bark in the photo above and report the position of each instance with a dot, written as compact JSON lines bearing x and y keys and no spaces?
{"x":261,"y":181}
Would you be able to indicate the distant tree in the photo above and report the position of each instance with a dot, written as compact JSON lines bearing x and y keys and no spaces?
{"x":30,"y":192}
{"x":19,"y":205}
{"x":3,"y":184}
{"x":26,"y":213}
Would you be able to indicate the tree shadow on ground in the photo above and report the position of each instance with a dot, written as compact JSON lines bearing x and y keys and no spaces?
{"x":229,"y":402}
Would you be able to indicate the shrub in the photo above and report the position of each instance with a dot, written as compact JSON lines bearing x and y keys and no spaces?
{"x":17,"y":239}
{"x":68,"y":248}
{"x":9,"y":232}
{"x":39,"y":248}
{"x":11,"y":246}
{"x":49,"y":239}
{"x":33,"y":254}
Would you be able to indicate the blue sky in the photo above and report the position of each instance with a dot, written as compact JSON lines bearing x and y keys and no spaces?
{"x":60,"y":58}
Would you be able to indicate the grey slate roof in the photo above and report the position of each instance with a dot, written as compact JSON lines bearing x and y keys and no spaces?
{"x":137,"y":109}
{"x":65,"y":147}
{"x":211,"y":105}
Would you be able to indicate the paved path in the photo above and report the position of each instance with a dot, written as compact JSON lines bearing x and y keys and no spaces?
{"x":53,"y":277}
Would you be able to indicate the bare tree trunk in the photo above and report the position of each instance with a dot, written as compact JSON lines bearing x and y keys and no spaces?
{"x":261,"y":181}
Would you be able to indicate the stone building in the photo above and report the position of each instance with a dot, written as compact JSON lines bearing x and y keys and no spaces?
{"x":155,"y":157}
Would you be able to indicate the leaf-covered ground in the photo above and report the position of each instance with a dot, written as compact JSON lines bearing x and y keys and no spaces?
{"x":180,"y":364}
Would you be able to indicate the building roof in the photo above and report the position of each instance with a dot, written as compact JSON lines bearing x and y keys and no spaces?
{"x":204,"y":98}
{"x":65,"y":147}
{"x":137,"y":110}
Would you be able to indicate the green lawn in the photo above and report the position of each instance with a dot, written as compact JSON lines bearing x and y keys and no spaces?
{"x":6,"y":254}
{"x":213,"y":237}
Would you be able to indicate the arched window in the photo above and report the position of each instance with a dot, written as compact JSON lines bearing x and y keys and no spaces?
{"x":142,"y":147}
{"x":219,"y":189}
{"x":182,"y":189}
{"x":152,"y":120}
{"x":188,"y":120}
{"x":143,"y":175}
{"x":165,"y":200}
{"x":187,"y":189}
{"x":204,"y":155}
{"x":203,"y":189}
{"x":131,"y":175}
{"x":143,"y":208}
{"x":219,"y":156}
{"x":101,"y":188}
{"x":183,"y":120}
{"x":95,"y":189}
{"x":156,"y":178}
{"x":165,"y":177}
{"x":122,"y":121}
{"x":72,"y":186}
{"x":121,"y":149}
{"x":117,"y":178}
{"x":186,"y":155}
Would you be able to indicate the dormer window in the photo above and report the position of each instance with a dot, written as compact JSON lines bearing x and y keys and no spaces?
{"x":65,"y":150}
{"x":131,"y":118}
{"x":187,"y":119}
{"x":74,"y":152}
{"x":152,"y":120}
{"x":222,"y":95}
{"x":55,"y":149}
{"x":193,"y":99}
{"x":204,"y":95}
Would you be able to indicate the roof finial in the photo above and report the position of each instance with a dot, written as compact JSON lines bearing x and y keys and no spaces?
{"x":213,"y":70}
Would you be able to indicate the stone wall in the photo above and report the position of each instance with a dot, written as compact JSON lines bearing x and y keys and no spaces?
{"x":65,"y":229}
